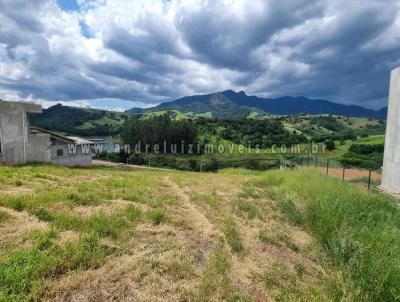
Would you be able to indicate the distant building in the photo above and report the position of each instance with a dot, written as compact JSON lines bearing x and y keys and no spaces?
{"x":391,"y":164}
{"x":67,"y":150}
{"x":21,"y":144}
{"x":102,"y":145}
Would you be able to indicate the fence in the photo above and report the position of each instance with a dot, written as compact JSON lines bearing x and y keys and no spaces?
{"x":204,"y":164}
{"x":328,"y":166}
{"x":334,"y":168}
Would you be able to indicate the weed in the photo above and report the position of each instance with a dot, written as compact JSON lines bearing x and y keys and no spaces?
{"x":266,"y":237}
{"x":232,"y":235}
{"x":157,"y":216}
{"x":17,"y":203}
{"x":249,"y":209}
{"x":133,"y":213}
{"x":277,"y":237}
{"x":83,"y":198}
{"x":42,"y":214}
{"x":215,"y":284}
{"x":300,"y":269}
{"x":101,"y":224}
{"x":3,"y":216}
{"x":250,"y":191}
{"x":289,"y":209}
{"x":44,"y":240}
{"x":289,"y":242}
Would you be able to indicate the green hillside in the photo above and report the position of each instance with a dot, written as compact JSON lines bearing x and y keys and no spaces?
{"x":257,"y":129}
{"x":80,"y":121}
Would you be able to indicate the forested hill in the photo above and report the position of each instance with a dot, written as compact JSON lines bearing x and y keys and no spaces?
{"x":233,"y":104}
{"x":79,"y":121}
{"x":93,"y":122}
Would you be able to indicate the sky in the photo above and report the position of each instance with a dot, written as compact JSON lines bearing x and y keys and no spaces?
{"x":119,"y":54}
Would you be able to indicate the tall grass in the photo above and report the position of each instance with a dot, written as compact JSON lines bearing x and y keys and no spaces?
{"x":359,"y":232}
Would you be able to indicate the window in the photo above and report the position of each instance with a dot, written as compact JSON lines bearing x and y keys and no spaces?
{"x":60,"y":152}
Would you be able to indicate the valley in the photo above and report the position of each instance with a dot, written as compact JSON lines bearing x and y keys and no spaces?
{"x":260,"y":134}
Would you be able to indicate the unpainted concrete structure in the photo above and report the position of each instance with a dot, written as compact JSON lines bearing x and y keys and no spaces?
{"x":391,"y":164}
{"x":17,"y":146}
{"x":21,"y":144}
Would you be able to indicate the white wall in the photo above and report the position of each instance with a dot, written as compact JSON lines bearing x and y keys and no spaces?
{"x":391,"y":165}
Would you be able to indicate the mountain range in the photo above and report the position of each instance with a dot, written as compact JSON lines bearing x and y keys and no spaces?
{"x":231,"y":104}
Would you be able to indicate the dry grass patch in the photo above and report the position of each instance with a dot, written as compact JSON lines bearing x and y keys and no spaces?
{"x":17,"y":226}
{"x":110,"y":207}
{"x":156,"y":236}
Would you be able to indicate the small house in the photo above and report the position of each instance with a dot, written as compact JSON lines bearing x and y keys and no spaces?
{"x":21,"y":144}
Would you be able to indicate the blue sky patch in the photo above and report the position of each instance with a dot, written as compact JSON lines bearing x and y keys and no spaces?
{"x":68,"y":5}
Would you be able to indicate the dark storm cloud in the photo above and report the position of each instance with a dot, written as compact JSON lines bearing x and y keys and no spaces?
{"x":351,"y":70}
{"x":154,"y":50}
{"x":227,"y":40}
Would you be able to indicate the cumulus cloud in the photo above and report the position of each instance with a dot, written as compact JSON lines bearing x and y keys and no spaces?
{"x":141,"y":52}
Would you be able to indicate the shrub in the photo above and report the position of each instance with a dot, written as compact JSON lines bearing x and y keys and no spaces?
{"x":330,"y":145}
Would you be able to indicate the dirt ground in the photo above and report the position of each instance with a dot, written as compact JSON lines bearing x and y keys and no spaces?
{"x":352,"y":174}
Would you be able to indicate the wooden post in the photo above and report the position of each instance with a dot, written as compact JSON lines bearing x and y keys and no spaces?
{"x":344,"y":171}
{"x":369,"y":179}
{"x":327,"y":167}
{"x":316,"y":161}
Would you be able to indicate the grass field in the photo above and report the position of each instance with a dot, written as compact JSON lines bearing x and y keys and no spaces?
{"x":372,"y":140}
{"x":238,"y":235}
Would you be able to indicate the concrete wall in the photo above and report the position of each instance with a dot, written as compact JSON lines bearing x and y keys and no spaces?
{"x":391,"y":165}
{"x":38,"y":148}
{"x":14,"y":134}
{"x":69,"y":159}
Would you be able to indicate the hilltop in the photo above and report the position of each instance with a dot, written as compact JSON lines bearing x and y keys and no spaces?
{"x":233,"y":104}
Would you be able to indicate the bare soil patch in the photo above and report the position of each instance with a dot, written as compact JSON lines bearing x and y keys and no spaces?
{"x":351,"y":174}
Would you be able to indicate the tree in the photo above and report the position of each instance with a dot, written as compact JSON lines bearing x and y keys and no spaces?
{"x":330,"y":145}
